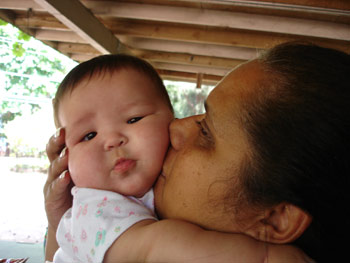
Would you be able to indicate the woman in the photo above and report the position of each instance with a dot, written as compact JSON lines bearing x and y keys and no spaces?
{"x":269,"y":159}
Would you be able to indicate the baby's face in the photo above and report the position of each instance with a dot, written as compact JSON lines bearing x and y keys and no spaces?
{"x":116,"y":132}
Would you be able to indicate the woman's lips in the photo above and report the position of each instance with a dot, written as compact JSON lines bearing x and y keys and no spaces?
{"x":123,"y":165}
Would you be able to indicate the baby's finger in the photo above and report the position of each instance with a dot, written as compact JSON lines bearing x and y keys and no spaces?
{"x":56,"y":144}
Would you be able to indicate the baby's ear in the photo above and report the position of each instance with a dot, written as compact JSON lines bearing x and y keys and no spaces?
{"x":281,"y":224}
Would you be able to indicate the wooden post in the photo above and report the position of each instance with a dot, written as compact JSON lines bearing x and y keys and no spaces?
{"x":199,"y":80}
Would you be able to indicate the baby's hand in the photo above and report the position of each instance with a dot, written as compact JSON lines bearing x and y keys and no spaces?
{"x":58,"y":184}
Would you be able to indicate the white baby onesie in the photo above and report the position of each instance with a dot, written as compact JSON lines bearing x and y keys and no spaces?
{"x":96,"y":219}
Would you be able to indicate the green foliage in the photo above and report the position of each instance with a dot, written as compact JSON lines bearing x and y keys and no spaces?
{"x":8,"y":116}
{"x":27,"y":168}
{"x":187,"y":101}
{"x":17,"y":49}
{"x":26,"y":69}
{"x":23,"y":36}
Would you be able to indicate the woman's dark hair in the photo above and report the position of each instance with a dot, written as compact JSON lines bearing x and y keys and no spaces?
{"x":107,"y":64}
{"x":299,"y":129}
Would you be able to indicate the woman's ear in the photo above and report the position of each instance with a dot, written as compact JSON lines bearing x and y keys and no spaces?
{"x":281,"y":224}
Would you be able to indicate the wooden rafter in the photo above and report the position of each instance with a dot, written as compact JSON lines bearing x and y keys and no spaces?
{"x":76,"y":17}
{"x":195,"y":16}
{"x":171,"y":31}
{"x":190,"y":40}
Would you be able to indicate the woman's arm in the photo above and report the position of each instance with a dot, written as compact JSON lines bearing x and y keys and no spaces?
{"x":56,"y":190}
{"x":179,"y":241}
{"x":163,"y":241}
{"x":51,"y":245}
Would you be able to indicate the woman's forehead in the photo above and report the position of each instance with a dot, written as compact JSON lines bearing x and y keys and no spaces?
{"x":240,"y":85}
{"x":228,"y":100}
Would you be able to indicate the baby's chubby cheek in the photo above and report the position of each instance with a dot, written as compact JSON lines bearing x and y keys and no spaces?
{"x":85,"y":174}
{"x":75,"y":177}
{"x":76,"y":174}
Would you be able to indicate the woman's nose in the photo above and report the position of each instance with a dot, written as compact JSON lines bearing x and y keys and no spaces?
{"x":114,"y":140}
{"x":182,"y":130}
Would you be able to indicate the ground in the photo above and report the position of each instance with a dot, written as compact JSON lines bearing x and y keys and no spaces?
{"x":22,"y":221}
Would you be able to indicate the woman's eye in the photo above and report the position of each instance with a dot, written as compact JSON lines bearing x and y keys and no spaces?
{"x":202,"y":130}
{"x":89,"y":136}
{"x":133,"y":120}
{"x":205,"y":138}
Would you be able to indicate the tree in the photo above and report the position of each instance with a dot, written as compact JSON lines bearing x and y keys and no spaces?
{"x":27,"y":70}
{"x":187,"y":101}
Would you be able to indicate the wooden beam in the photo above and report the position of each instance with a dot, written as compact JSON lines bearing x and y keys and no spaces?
{"x":223,"y":36}
{"x":40,"y":21}
{"x":82,"y":52}
{"x":188,"y":59}
{"x":191,"y":69}
{"x":77,"y":49}
{"x":190,"y":48}
{"x":199,"y":34}
{"x":59,"y":36}
{"x":81,"y":57}
{"x":10,"y":17}
{"x":199,"y":80}
{"x":20,"y":5}
{"x":189,"y":77}
{"x":156,"y":56}
{"x":190,"y":33}
{"x":343,"y":5}
{"x":306,"y":5}
{"x":158,"y":45}
{"x":206,"y":17}
{"x":76,"y":17}
{"x":7,"y":16}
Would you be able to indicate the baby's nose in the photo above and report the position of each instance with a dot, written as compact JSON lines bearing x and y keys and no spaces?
{"x":115,"y":140}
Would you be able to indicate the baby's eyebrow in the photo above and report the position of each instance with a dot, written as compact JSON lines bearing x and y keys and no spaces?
{"x":81,"y":120}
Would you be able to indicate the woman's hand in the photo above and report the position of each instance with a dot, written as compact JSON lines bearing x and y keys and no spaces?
{"x":58,"y":185}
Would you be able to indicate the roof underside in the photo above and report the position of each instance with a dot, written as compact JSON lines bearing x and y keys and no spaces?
{"x":188,"y":40}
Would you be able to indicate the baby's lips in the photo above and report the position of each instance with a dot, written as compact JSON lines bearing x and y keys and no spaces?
{"x":122,"y":165}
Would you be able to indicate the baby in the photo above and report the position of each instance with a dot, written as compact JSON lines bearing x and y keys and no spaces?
{"x":116,"y":113}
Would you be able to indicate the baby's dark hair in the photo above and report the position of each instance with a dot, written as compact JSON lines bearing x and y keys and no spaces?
{"x":107,"y":64}
{"x":299,"y":130}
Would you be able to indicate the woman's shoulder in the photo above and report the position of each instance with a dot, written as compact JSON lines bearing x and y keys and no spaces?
{"x":212,"y":246}
{"x":180,"y":241}
{"x":287,"y":253}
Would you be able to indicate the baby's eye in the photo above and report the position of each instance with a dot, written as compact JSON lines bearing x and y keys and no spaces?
{"x":89,"y":136}
{"x":133,"y":120}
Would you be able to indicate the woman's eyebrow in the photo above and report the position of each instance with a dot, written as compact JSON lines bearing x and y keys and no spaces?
{"x":208,"y":114}
{"x":206,"y":107}
{"x":208,"y":110}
